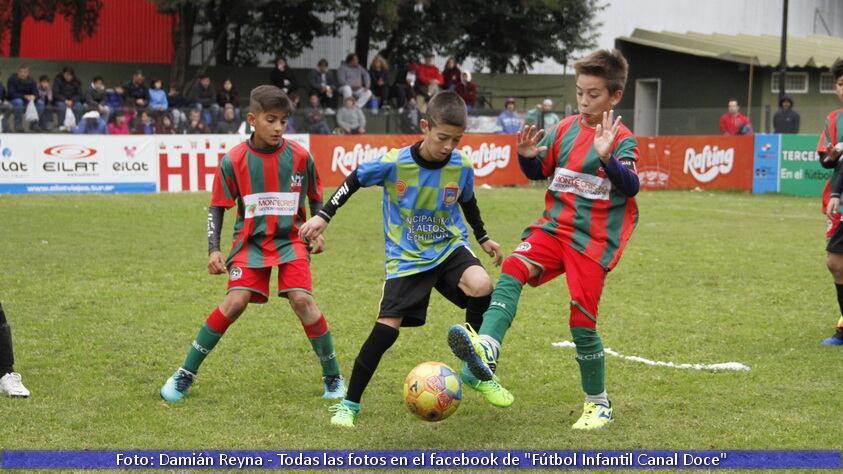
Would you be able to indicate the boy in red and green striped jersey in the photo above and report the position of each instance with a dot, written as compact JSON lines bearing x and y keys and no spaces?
{"x":829,"y":149}
{"x":590,"y":213}
{"x":269,"y":179}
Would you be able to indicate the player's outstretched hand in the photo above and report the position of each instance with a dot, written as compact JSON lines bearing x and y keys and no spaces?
{"x":216,"y":264}
{"x":832,"y":153}
{"x":527,"y":140}
{"x":313,"y":228}
{"x":494,"y":250}
{"x":605,"y":135}
{"x":831,"y":208}
{"x":317,"y":245}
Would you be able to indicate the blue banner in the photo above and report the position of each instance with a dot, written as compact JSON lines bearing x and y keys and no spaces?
{"x":82,"y":188}
{"x":765,"y":177}
{"x":423,"y":459}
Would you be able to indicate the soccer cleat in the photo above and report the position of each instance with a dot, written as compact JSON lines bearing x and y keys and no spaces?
{"x":334,"y":386}
{"x":11,"y":385}
{"x":594,"y":416}
{"x":491,"y":390}
{"x":476,"y":353}
{"x":344,"y":415}
{"x":175,"y":388}
{"x":836,"y":339}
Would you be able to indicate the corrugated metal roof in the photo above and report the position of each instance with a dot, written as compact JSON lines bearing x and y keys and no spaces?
{"x":761,"y":50}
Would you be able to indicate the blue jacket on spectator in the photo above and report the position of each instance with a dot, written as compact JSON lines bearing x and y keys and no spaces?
{"x":158,"y":99}
{"x":17,"y":88}
{"x":509,"y":122}
{"x":114,"y":100}
{"x":85,"y":127}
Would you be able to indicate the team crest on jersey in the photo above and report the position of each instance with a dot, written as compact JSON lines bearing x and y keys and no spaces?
{"x":296,"y":180}
{"x":523,"y":247}
{"x":450,"y":193}
{"x":235,"y":274}
{"x":400,"y":188}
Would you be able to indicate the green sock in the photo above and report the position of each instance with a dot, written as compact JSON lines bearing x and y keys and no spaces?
{"x":591,"y":359}
{"x":498,"y":318}
{"x":323,"y":346}
{"x":205,"y":341}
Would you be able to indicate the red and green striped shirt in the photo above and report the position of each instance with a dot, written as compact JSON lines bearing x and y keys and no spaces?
{"x":830,"y":136}
{"x":270,"y":191}
{"x":581,"y":208}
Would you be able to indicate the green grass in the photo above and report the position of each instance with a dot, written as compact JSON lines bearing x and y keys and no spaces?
{"x":105,"y":293}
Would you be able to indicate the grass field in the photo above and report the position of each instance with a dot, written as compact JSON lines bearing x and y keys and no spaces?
{"x":105,"y":293}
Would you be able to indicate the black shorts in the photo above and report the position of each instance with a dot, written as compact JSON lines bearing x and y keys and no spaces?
{"x":408,"y":297}
{"x":835,"y":242}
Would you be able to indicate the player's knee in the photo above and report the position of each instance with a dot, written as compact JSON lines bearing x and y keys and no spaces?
{"x":480,"y":286}
{"x":834,"y":262}
{"x":301,"y":302}
{"x":235,"y":303}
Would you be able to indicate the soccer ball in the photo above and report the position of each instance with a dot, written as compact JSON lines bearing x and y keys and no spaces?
{"x":432,"y":391}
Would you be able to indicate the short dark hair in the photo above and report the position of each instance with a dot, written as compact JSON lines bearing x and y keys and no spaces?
{"x":447,"y":108}
{"x":44,"y":78}
{"x":610,"y":65}
{"x":350,"y":57}
{"x":204,"y":75}
{"x":97,"y":78}
{"x":322,"y":62}
{"x":837,"y":69}
{"x":265,"y":98}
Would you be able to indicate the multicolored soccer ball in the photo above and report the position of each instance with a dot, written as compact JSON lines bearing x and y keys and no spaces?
{"x":432,"y":391}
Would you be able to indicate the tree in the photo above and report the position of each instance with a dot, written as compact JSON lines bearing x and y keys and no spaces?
{"x":83,"y":16}
{"x":185,"y":14}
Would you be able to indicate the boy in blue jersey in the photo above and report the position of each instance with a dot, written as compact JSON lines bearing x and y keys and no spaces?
{"x":425,"y":186}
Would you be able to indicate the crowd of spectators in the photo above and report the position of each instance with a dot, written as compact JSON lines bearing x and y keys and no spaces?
{"x":335,"y":100}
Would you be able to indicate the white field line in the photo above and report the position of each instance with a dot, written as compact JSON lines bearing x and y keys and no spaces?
{"x":723,"y":366}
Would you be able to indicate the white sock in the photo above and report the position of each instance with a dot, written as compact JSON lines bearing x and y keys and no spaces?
{"x":600,"y":399}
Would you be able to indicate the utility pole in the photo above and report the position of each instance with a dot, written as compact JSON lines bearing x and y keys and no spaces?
{"x":783,"y":59}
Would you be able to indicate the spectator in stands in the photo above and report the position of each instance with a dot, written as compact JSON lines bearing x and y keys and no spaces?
{"x":45,"y":94}
{"x":467,"y":90}
{"x":410,"y":117}
{"x":228,"y":96}
{"x":5,"y":109}
{"x":120,"y":125}
{"x":115,"y":98}
{"x":22,"y":91}
{"x":509,"y":121}
{"x":379,"y":75}
{"x":177,"y":104}
{"x":404,"y":87}
{"x":158,"y":98}
{"x":322,"y":81}
{"x":91,"y":124}
{"x":733,"y":122}
{"x":354,"y":81}
{"x":542,"y":116}
{"x":195,"y":125}
{"x":229,"y":122}
{"x":282,"y":77}
{"x":146,"y":125}
{"x":137,"y":94}
{"x":350,"y":118}
{"x":786,"y":120}
{"x":166,"y":125}
{"x":203,"y":97}
{"x":96,"y":99}
{"x":451,"y":75}
{"x":428,"y":78}
{"x":67,"y":94}
{"x":314,"y":116}
{"x":292,"y":120}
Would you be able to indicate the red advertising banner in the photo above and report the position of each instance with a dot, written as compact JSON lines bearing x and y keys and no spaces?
{"x":688,"y":162}
{"x":494,"y":156}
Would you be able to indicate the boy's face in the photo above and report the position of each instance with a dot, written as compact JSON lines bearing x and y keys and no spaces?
{"x":269,"y":126}
{"x":593,"y":98}
{"x":838,"y":87}
{"x":314,"y":100}
{"x":440,"y":140}
{"x":45,"y":84}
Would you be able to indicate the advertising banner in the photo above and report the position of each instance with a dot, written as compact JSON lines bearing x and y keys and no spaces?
{"x":765,"y":176}
{"x":699,"y":161}
{"x":494,"y":156}
{"x":801,"y":173}
{"x":45,"y":164}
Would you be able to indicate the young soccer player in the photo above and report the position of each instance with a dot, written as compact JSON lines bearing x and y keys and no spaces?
{"x":424,"y":187}
{"x":829,"y":153}
{"x":10,"y":381}
{"x":269,"y":178}
{"x":589,"y":216}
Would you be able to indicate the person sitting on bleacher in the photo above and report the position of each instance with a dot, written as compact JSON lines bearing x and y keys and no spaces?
{"x":67,"y":94}
{"x":137,"y":94}
{"x":96,"y":99}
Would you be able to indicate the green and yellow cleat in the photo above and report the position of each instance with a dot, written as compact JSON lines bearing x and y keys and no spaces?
{"x":344,"y":414}
{"x":476,"y":353}
{"x":593,"y":417}
{"x":491,"y":390}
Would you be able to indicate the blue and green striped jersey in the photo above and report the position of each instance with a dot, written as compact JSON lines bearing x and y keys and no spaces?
{"x":422,"y":220}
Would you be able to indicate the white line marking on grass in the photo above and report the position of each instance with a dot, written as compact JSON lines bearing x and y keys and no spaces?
{"x":723,"y":366}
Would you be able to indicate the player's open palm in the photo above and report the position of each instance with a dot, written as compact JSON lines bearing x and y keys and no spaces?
{"x":604,"y":135}
{"x":313,"y":228}
{"x":527,"y":141}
